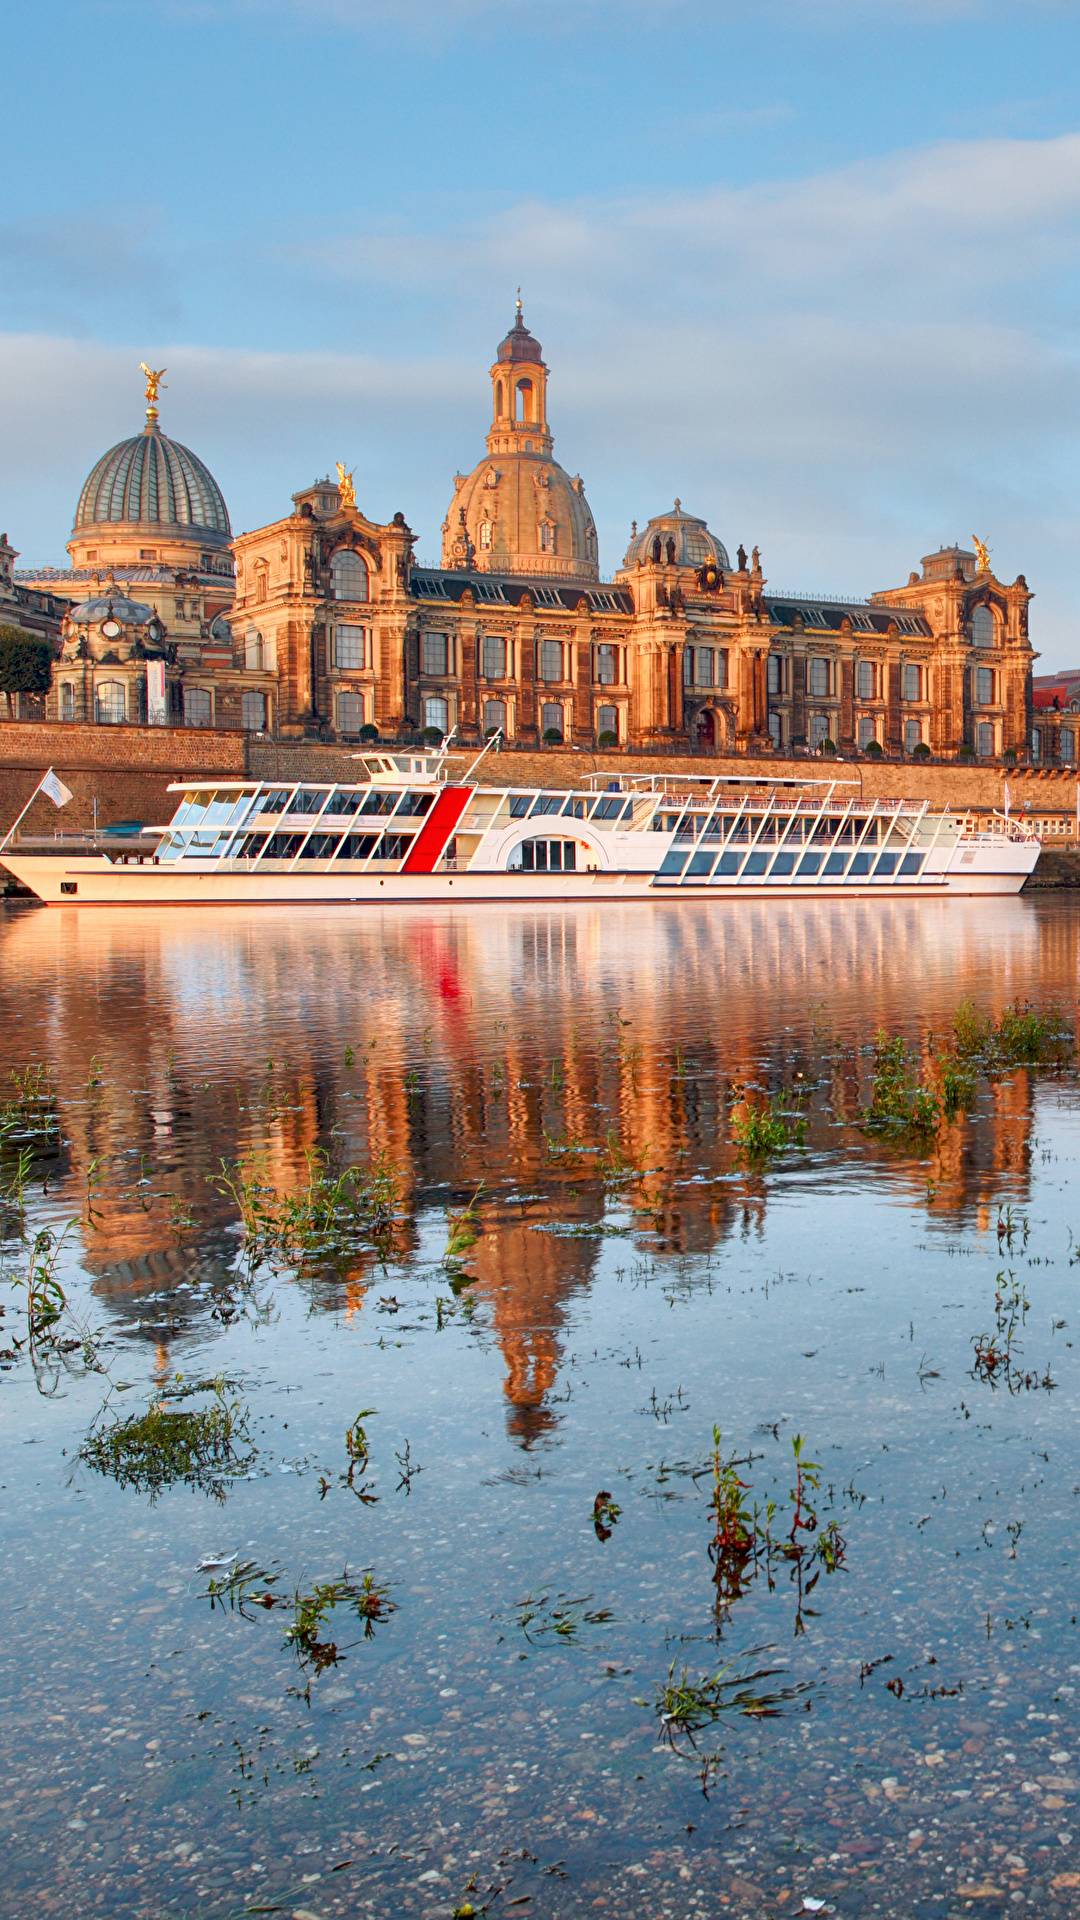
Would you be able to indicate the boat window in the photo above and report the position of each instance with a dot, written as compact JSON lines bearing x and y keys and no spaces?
{"x":275,"y":801}
{"x":319,"y":846}
{"x":417,"y":803}
{"x":340,"y":802}
{"x":403,"y":766}
{"x":355,"y":846}
{"x":546,"y":803}
{"x":380,"y":802}
{"x":250,"y":846}
{"x":284,"y":846}
{"x":393,"y":846}
{"x":545,"y":856}
{"x":577,"y":808}
{"x":519,"y":806}
{"x":308,"y":801}
{"x":610,"y":809}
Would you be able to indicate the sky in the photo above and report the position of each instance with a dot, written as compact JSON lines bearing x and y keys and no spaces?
{"x":811,"y":265}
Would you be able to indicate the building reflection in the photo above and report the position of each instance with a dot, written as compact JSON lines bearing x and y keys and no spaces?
{"x":580,"y":1063}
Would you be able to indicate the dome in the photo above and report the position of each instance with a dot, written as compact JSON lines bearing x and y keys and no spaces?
{"x":154,"y":481}
{"x":694,"y":544}
{"x":519,"y":343}
{"x":114,"y":606}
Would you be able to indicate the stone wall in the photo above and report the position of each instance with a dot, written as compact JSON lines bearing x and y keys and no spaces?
{"x":126,"y":769}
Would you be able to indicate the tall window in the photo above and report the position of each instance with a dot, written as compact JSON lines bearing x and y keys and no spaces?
{"x":437,"y":714}
{"x":494,"y":716}
{"x":703,"y":666}
{"x":721,"y":667}
{"x":688,"y":666}
{"x":1036,"y":743}
{"x":260,"y":584}
{"x":866,"y":686}
{"x":551,"y":718}
{"x":350,"y":712}
{"x":253,"y":712}
{"x":819,"y":728}
{"x":547,"y":537}
{"x":775,"y":728}
{"x":819,"y":679}
{"x":607,"y":720}
{"x":1067,"y":746}
{"x":912,"y":734}
{"x":350,"y":646}
{"x":435,"y":653}
{"x":867,"y":731}
{"x":607,"y":666}
{"x":67,"y":700}
{"x":984,"y":739}
{"x":912,"y":681}
{"x":198,"y":707}
{"x":983,"y":628}
{"x":774,"y":673}
{"x":984,"y":686}
{"x":485,"y":536}
{"x":551,"y":666}
{"x":494,"y":658}
{"x":349,"y":576}
{"x":110,"y":703}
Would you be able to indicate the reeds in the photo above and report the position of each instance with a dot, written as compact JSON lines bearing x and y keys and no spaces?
{"x":325,"y":1221}
{"x":168,"y":1445}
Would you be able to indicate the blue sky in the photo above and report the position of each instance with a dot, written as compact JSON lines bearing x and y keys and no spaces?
{"x":811,"y":266}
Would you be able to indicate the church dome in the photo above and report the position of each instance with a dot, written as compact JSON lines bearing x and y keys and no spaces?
{"x":155,"y":482}
{"x":694,"y":545}
{"x":519,"y":344}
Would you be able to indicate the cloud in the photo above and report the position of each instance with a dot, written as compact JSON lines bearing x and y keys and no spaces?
{"x":849,"y":370}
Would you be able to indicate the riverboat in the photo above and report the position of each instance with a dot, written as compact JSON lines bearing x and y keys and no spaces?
{"x":406,"y":832}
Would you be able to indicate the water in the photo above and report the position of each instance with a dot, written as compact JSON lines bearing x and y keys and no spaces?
{"x":160,"y":1756}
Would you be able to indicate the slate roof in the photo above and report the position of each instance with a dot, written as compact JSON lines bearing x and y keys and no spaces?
{"x":428,"y":583}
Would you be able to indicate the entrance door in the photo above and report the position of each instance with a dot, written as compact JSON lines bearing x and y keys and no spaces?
{"x":706,"y":728}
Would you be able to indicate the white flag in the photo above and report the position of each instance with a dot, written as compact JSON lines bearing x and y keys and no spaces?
{"x":56,"y":790}
{"x":1008,"y":799}
{"x":156,"y":713}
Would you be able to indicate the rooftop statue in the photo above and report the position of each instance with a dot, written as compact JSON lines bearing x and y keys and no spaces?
{"x":153,"y":381}
{"x":983,"y":552}
{"x":345,"y":482}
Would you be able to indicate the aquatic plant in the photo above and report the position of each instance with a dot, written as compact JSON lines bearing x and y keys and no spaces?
{"x":901,"y":1102}
{"x":759,"y":1131}
{"x":462,"y":1232}
{"x":997,"y":1354}
{"x":1022,"y":1035}
{"x":604,"y":1515}
{"x":326,"y":1220}
{"x":555,"y":1617}
{"x":169,"y":1445}
{"x":364,"y":1599}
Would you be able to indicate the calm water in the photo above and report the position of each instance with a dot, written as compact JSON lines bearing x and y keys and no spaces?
{"x":160,"y":1756}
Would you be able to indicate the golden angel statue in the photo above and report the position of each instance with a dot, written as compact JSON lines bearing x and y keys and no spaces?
{"x":983,"y":552}
{"x":153,"y":381}
{"x":345,"y":483}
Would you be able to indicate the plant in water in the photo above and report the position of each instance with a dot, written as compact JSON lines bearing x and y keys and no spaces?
{"x":604,"y":1515}
{"x":997,"y":1354}
{"x":1021,"y":1035}
{"x":761,"y":1130}
{"x":737,"y":1535}
{"x":544,"y":1616}
{"x":170,"y":1445}
{"x":462,"y":1232}
{"x":326,"y":1220}
{"x":901,"y":1103}
{"x":364,"y":1599}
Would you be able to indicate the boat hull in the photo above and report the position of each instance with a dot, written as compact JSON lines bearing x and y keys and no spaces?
{"x":95,"y":882}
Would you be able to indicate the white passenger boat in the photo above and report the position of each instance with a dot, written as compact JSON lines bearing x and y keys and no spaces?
{"x":407,"y":833}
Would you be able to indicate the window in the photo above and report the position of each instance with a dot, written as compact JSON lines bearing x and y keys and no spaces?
{"x":435,"y":653}
{"x":721,"y":667}
{"x":350,"y":712}
{"x":774,"y":674}
{"x":494,"y":716}
{"x":912,"y":733}
{"x":205,"y":563}
{"x":350,"y":647}
{"x":551,"y":660}
{"x":91,"y":553}
{"x":775,"y":728}
{"x":867,"y":731}
{"x":688,"y":666}
{"x":198,"y":707}
{"x":983,"y":628}
{"x":260,"y":584}
{"x":494,"y":658}
{"x":253,"y":712}
{"x":147,"y":553}
{"x":984,"y":686}
{"x":607,"y":720}
{"x":485,"y":536}
{"x":984,"y":739}
{"x":551,"y":718}
{"x":437,"y":714}
{"x":349,"y":576}
{"x":547,"y":537}
{"x":912,"y":681}
{"x":819,"y":678}
{"x":819,"y":728}
{"x":703,"y":666}
{"x":547,"y":856}
{"x":1036,"y":743}
{"x":607,"y":666}
{"x":67,"y":700}
{"x":866,"y":686}
{"x":253,"y":650}
{"x":110,"y":703}
{"x":1066,"y":746}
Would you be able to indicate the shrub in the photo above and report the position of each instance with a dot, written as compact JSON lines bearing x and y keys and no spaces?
{"x":966,"y":753}
{"x":921,"y":751}
{"x":25,"y":662}
{"x":1010,"y":755}
{"x":369,"y":732}
{"x":552,"y":737}
{"x":608,"y":739}
{"x":872,"y":749}
{"x":433,"y":737}
{"x":828,"y":746}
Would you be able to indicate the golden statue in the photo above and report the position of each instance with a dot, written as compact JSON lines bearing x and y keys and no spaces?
{"x":348,"y":492}
{"x":153,"y":381}
{"x":983,"y":552}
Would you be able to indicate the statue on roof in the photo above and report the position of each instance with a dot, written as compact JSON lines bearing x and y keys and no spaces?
{"x":983,"y":552}
{"x":153,"y":381}
{"x":345,"y":484}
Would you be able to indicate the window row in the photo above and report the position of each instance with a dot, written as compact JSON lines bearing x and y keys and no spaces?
{"x":705,"y":667}
{"x":495,"y":660}
{"x":112,"y":698}
{"x":822,"y":678}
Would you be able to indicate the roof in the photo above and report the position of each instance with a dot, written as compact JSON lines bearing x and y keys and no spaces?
{"x":827,"y":616}
{"x":155,"y":480}
{"x":694,"y":544}
{"x":519,"y":343}
{"x":495,"y":590}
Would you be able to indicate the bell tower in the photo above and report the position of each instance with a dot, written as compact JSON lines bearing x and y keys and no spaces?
{"x":519,"y":394}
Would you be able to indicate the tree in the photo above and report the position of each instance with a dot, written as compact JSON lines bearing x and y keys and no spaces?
{"x":25,"y":663}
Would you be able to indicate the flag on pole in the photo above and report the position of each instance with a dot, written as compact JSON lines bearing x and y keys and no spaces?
{"x":56,"y":790}
{"x":1008,"y":799}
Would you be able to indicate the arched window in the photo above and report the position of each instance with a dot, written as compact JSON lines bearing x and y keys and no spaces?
{"x":260,"y":584}
{"x":350,"y":712}
{"x":198,"y":707}
{"x":1066,"y":746}
{"x":110,"y":702}
{"x":551,"y":719}
{"x":349,"y":576}
{"x":984,"y":739}
{"x":912,"y":734}
{"x":485,"y":536}
{"x":67,"y":700}
{"x":253,"y":712}
{"x":983,"y":628}
{"x":524,"y":393}
{"x":819,"y":729}
{"x":867,"y":731}
{"x":498,"y":399}
{"x":494,"y":716}
{"x":607,"y":720}
{"x":547,"y":537}
{"x":437,"y":714}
